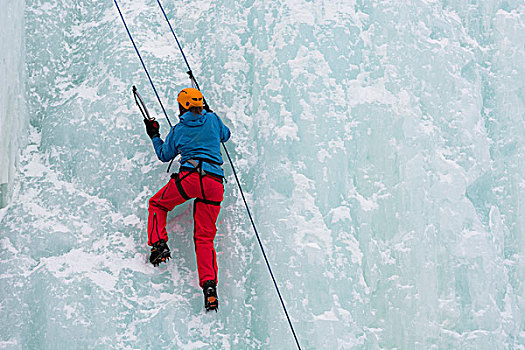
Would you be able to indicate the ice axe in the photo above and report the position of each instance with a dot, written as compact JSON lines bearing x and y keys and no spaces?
{"x":140,"y":103}
{"x":145,"y":113}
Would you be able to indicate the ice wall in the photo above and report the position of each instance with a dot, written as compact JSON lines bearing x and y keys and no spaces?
{"x":380,"y":144}
{"x":12,"y":116}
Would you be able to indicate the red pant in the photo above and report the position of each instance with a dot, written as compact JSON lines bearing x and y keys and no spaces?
{"x":205,"y":212}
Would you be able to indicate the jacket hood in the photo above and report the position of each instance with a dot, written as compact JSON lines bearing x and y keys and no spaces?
{"x":192,"y":119}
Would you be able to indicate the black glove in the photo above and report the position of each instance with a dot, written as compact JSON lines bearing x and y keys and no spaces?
{"x":152,"y":127}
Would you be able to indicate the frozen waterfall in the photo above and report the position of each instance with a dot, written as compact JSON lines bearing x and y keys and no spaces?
{"x":381,"y":145}
{"x":13,"y":120}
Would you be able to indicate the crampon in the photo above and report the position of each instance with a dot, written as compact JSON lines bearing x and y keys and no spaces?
{"x":159,"y":253}
{"x":211,"y":302}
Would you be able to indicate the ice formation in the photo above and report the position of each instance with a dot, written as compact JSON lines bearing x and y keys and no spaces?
{"x":12,"y":117}
{"x":381,"y":145}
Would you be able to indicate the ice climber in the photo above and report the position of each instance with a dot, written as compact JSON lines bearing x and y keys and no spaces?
{"x":197,"y":138}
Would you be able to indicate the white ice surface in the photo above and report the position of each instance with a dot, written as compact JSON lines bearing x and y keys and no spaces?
{"x":380,"y":145}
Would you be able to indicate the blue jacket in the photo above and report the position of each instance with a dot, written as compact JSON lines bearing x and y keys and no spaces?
{"x":195,"y":136}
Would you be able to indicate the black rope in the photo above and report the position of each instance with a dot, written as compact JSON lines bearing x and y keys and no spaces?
{"x":141,"y":61}
{"x":194,"y":81}
{"x":190,"y":73}
{"x":262,"y":249}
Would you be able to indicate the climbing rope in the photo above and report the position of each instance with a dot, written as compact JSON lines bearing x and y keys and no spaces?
{"x":194,"y":82}
{"x":192,"y":77}
{"x":141,"y":61}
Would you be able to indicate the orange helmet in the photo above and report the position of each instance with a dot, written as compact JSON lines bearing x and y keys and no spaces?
{"x":190,"y":97}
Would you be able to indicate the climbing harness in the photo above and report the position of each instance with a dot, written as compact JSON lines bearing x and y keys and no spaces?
{"x":196,"y":85}
{"x":197,"y":168}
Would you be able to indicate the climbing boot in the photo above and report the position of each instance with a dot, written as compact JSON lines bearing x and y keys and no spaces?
{"x":159,"y":253}
{"x":211,"y":302}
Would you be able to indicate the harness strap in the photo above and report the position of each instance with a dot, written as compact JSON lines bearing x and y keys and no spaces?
{"x":202,"y":185}
{"x":178,"y":181}
{"x":197,"y":166}
{"x":200,"y":170}
{"x":207,"y":201}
